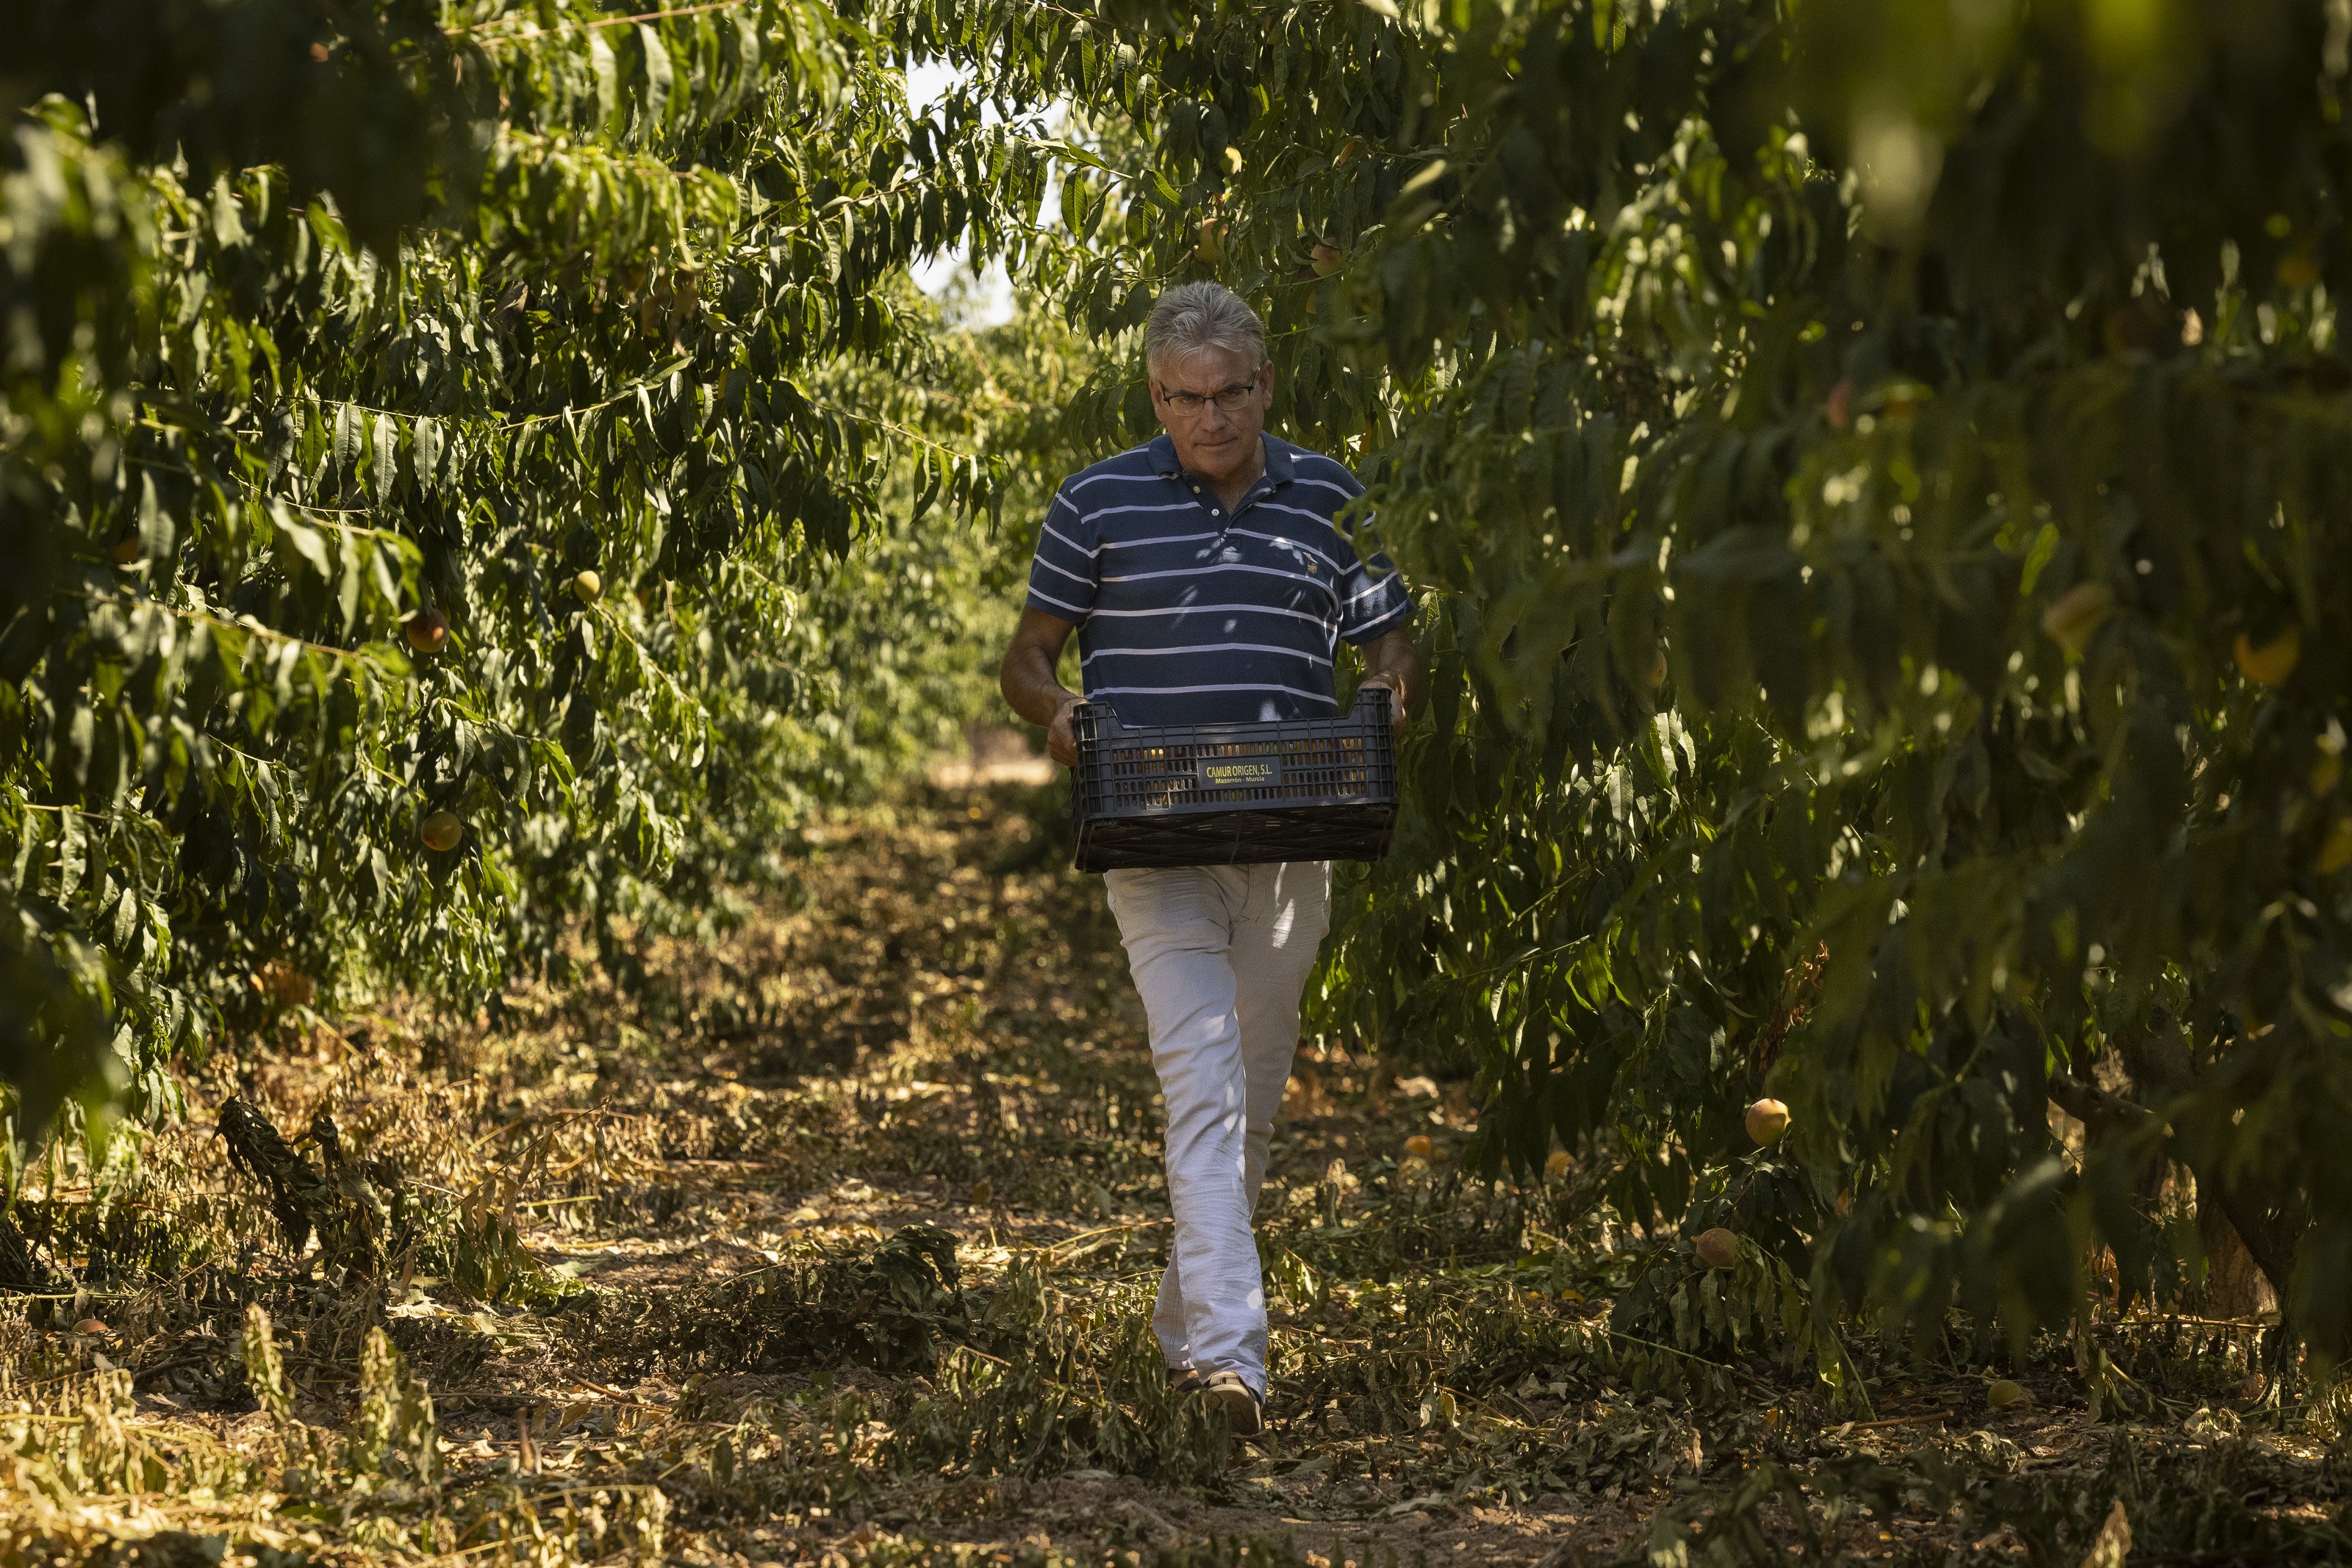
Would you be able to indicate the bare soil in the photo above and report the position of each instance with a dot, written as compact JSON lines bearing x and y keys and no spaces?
{"x":930,"y":1026}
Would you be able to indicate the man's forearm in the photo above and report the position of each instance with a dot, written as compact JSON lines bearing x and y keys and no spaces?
{"x":1394,"y":657}
{"x":1027,"y":680}
{"x":1029,"y":684}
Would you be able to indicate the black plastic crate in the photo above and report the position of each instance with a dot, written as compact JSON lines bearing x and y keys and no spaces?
{"x":1234,"y":794}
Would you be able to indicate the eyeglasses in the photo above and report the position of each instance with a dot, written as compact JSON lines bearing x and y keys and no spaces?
{"x":1229,"y":400}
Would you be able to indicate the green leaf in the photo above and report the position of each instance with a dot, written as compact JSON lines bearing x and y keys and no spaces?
{"x":659,"y":77}
{"x":347,"y":439}
{"x":387,"y":456}
{"x":425,"y":451}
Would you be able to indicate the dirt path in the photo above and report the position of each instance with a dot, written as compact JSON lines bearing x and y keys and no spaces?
{"x":979,"y":1066}
{"x":832,"y":1240}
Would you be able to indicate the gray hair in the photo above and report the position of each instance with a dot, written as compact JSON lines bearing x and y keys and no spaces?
{"x":1195,"y":316}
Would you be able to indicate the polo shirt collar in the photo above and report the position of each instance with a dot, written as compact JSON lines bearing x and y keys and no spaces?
{"x":1281,"y":461}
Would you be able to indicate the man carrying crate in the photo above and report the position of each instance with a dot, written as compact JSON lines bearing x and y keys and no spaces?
{"x":1210,"y":579}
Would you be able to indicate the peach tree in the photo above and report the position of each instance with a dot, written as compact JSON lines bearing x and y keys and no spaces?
{"x":1875,"y":475}
{"x":438,"y":442}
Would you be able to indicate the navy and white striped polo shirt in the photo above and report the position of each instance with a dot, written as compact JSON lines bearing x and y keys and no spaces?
{"x":1188,"y":616}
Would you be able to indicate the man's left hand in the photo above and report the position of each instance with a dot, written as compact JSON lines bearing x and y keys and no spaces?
{"x":1391,"y":661}
{"x":1394,"y":686}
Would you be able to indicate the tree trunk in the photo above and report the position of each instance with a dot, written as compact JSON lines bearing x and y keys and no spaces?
{"x":2267,"y":1225}
{"x":2235,"y":1285}
{"x":2262,"y":1227}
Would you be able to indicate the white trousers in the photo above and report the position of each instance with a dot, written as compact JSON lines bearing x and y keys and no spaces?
{"x":1220,"y":955}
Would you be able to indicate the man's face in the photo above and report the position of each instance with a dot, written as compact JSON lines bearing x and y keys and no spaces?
{"x":1212,"y":440}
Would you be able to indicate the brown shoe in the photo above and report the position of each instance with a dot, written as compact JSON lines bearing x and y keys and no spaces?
{"x":1244,"y":1414}
{"x":1185,"y":1380}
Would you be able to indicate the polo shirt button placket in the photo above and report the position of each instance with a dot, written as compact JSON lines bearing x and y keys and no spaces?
{"x":1223,"y":522}
{"x":1213,"y":511}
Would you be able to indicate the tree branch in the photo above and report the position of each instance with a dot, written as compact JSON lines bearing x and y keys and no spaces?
{"x":2093,"y":1106}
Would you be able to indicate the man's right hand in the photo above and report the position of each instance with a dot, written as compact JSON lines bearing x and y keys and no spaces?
{"x":1061,"y":740}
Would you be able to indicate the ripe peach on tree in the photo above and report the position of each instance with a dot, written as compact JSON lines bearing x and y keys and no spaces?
{"x":428,"y":631}
{"x":1767,"y":1121}
{"x":2269,"y":662}
{"x":1717,"y":1248}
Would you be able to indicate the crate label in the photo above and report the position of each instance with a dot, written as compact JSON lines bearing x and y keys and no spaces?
{"x":1238,"y":772}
